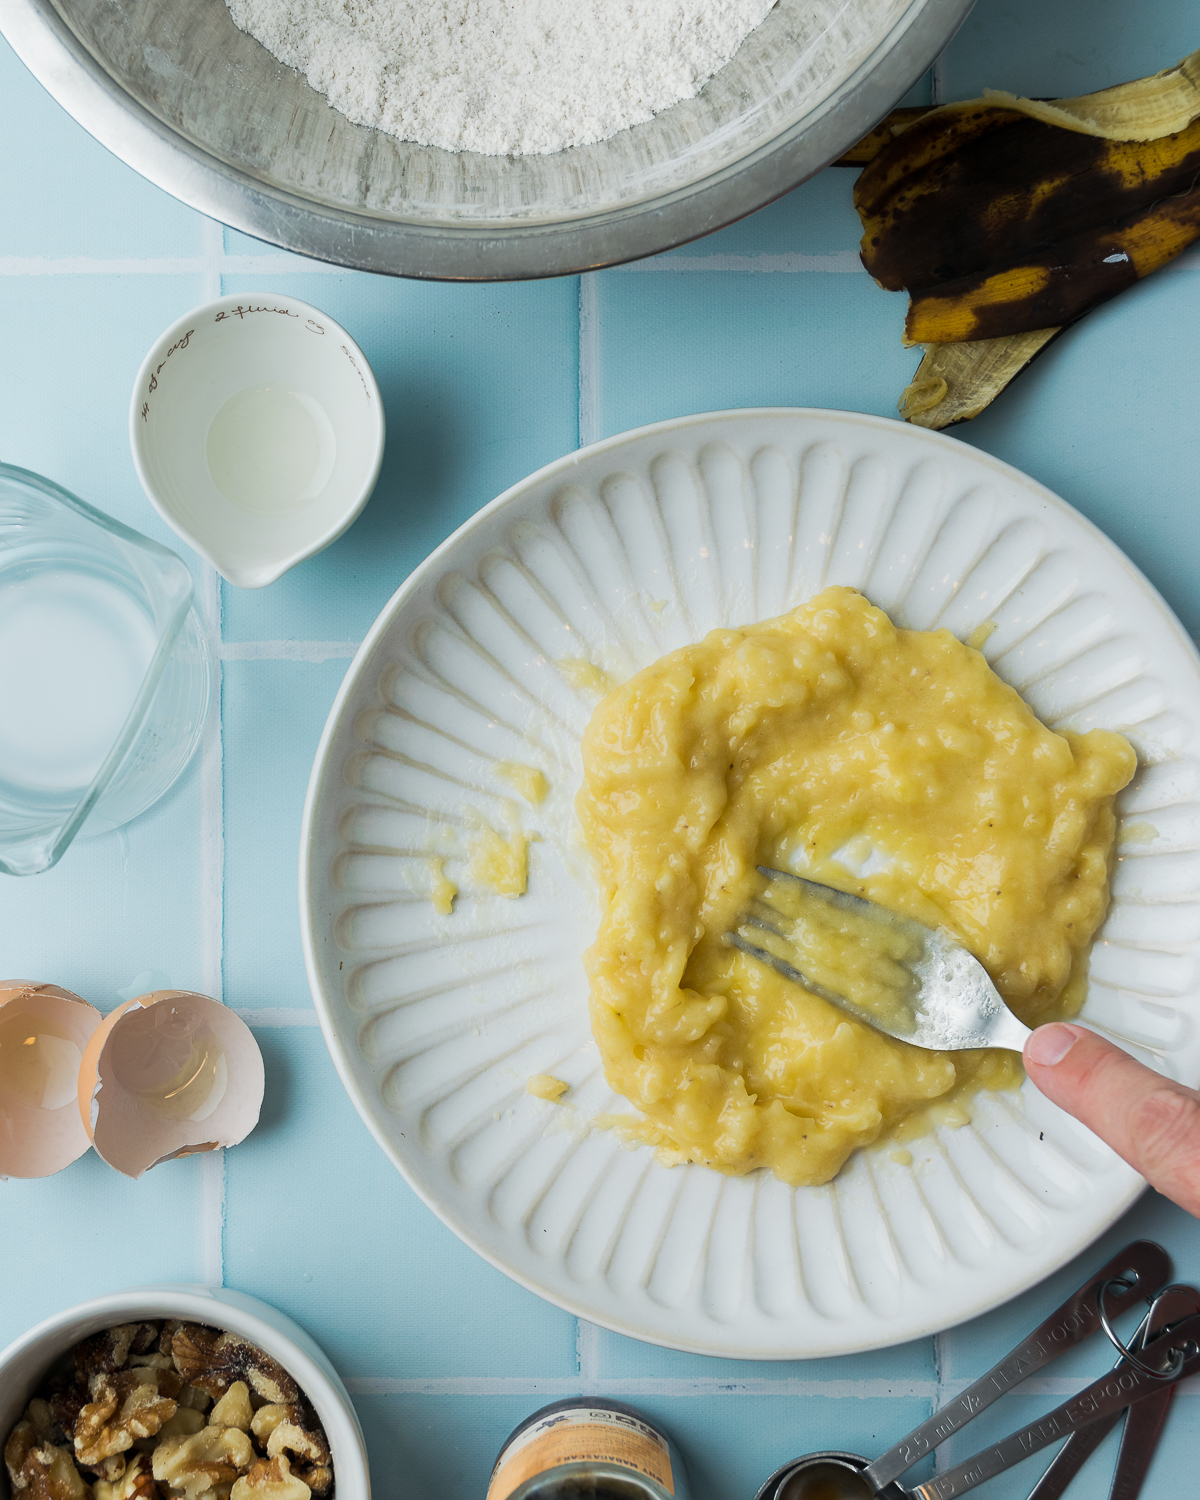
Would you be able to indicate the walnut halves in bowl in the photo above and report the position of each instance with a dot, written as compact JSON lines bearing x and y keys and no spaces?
{"x":214,"y":1361}
{"x":170,"y":1411}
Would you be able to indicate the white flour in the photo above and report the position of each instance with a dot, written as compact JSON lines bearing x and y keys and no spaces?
{"x":502,"y":76}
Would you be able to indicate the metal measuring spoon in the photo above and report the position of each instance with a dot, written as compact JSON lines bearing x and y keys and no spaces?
{"x":1134,"y":1273}
{"x":1159,"y":1361}
{"x":838,"y":1477}
{"x":1145,"y":1419}
{"x":941,"y":996}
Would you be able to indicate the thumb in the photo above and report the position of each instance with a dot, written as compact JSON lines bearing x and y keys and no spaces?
{"x":1149,"y":1120}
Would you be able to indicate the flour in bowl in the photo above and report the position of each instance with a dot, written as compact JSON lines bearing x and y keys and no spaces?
{"x":502,"y":76}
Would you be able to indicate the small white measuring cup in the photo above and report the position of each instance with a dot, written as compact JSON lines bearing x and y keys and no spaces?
{"x":257,"y":431}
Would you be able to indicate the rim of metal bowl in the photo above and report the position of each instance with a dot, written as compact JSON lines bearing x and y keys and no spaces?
{"x":66,"y":68}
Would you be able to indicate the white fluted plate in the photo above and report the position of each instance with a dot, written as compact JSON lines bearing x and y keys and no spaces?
{"x":616,"y":555}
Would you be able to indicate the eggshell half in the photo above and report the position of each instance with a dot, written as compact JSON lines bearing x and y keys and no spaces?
{"x":142,"y":1061}
{"x":40,"y":1138}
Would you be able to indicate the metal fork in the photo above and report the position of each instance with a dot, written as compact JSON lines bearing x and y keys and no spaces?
{"x":897,"y":975}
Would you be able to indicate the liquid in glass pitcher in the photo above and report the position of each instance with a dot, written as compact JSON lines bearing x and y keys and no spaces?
{"x":104,"y":671}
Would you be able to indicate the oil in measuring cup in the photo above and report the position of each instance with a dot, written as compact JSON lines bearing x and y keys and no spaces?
{"x":271,"y":450}
{"x":75,"y":646}
{"x":824,"y":1476}
{"x":824,"y":1482}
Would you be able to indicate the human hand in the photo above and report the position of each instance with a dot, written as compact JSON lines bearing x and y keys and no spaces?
{"x":1149,"y":1120}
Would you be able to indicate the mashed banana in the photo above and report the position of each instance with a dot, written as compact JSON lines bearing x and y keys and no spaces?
{"x":828,"y":742}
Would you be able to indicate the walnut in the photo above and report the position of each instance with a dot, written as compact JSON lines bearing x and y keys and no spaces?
{"x":41,"y":1419}
{"x":214,"y":1361}
{"x":41,"y":1471}
{"x":233,"y":1409}
{"x":131,"y":1403}
{"x":270,"y":1479}
{"x":194,"y":1353}
{"x":21,"y":1441}
{"x":194,"y":1465}
{"x":293,"y":1429}
{"x":137,"y":1483}
{"x":65,"y":1405}
{"x":185,"y":1423}
{"x":107,"y":1351}
{"x":124,"y":1407}
{"x":170,"y":1328}
{"x":307,"y":1451}
{"x":266,"y":1419}
{"x":145,"y":1338}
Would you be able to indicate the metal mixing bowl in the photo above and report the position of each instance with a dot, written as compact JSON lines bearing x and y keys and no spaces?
{"x":200,"y":108}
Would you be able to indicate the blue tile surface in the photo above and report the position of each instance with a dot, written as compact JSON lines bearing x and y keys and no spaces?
{"x":666,"y":342}
{"x":274,"y":713}
{"x":72,"y":1236}
{"x":482,"y":385}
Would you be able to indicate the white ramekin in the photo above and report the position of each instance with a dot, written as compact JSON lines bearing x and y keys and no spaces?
{"x":24,"y":1363}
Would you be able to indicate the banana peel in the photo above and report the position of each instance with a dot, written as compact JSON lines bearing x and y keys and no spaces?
{"x":1007,"y":219}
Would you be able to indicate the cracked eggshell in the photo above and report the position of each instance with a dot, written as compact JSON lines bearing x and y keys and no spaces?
{"x":43,"y":1033}
{"x":169,"y":1074}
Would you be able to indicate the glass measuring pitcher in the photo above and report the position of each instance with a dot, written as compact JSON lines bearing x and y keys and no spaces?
{"x":104,"y":672}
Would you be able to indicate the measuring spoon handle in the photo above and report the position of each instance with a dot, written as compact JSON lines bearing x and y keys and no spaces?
{"x":1144,"y":1424}
{"x":1103,"y":1398}
{"x":1071,"y":1457}
{"x":1170,"y":1306}
{"x":1144,"y":1264}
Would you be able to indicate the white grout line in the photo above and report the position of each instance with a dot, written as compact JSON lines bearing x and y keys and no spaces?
{"x":212,"y":898}
{"x":316,"y":651}
{"x":214,"y":256}
{"x":704,"y":1385}
{"x":212,"y":797}
{"x":843,"y":262}
{"x":212,"y":1218}
{"x":84,"y":265}
{"x":587,"y":1352}
{"x":589,"y":360}
{"x":645,"y":1385}
{"x":277,"y":264}
{"x":272,"y":1019}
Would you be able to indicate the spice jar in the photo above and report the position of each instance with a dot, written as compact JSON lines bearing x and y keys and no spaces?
{"x":588,"y":1449}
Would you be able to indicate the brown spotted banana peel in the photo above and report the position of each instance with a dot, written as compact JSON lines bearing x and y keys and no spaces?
{"x":1007,"y":219}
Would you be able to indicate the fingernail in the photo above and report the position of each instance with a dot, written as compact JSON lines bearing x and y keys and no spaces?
{"x":1050,"y":1044}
